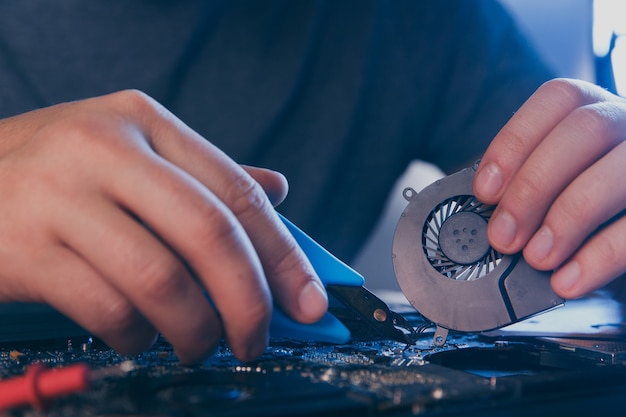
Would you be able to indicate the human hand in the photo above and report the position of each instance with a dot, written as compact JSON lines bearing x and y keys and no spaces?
{"x":555,"y":171}
{"x":115,"y":213}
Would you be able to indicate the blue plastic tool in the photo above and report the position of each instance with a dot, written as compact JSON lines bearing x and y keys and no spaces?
{"x":331,"y":271}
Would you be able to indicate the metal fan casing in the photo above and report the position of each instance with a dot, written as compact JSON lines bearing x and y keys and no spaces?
{"x":508,"y":292}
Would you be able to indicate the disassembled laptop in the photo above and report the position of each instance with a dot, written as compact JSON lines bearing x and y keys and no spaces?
{"x":364,"y":358}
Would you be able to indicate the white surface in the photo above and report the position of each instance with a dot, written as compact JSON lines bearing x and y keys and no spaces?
{"x":595,"y":315}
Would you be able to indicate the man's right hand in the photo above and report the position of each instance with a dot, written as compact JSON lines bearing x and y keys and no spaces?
{"x":118,"y":215}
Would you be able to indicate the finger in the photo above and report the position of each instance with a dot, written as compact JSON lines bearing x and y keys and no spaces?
{"x":144,"y":271}
{"x":589,"y":201}
{"x":570,"y":148}
{"x":273,"y":183}
{"x":189,"y":220}
{"x":508,"y":151}
{"x":597,"y":263}
{"x":291,"y":277}
{"x":202,"y":231}
{"x":92,"y":303}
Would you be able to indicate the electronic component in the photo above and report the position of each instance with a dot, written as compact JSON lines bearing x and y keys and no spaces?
{"x":470,"y":375}
{"x":449,"y":272}
{"x":393,"y":365}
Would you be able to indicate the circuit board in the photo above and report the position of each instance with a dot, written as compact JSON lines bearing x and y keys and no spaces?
{"x":471,"y":373}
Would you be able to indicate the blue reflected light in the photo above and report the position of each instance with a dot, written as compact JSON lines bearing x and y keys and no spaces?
{"x":609,"y":44}
{"x":618,"y":60}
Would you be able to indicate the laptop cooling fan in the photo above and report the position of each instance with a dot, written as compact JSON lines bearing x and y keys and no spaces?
{"x":449,"y":272}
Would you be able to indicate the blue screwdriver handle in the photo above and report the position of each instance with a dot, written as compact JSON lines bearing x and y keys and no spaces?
{"x":331,"y":271}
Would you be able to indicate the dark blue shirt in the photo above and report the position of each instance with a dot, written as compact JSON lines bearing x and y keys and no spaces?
{"x":338,"y":95}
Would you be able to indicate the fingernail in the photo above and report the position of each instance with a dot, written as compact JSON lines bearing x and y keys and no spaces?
{"x":566,"y":277}
{"x":489,"y":180}
{"x":503,"y":228}
{"x":313,"y":300}
{"x":541,"y":244}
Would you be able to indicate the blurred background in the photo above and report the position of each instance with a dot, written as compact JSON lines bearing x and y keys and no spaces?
{"x":584,"y":39}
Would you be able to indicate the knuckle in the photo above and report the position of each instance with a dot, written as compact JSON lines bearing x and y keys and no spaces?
{"x":133,"y":99}
{"x":246,"y":197}
{"x":515,"y":142}
{"x":604,"y":250}
{"x":118,"y":317}
{"x":527,"y":188}
{"x":138,"y":106}
{"x":565,"y":90}
{"x":159,"y":277}
{"x":287,"y":258}
{"x":594,"y":120}
{"x":214,"y":226}
{"x":574,"y":209}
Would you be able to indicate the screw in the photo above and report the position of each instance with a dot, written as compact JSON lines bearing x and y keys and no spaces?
{"x":380,"y":315}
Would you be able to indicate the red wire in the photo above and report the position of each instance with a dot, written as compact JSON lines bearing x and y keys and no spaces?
{"x":40,"y":385}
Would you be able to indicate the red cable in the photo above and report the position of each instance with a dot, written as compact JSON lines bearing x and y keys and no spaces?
{"x":40,"y":385}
